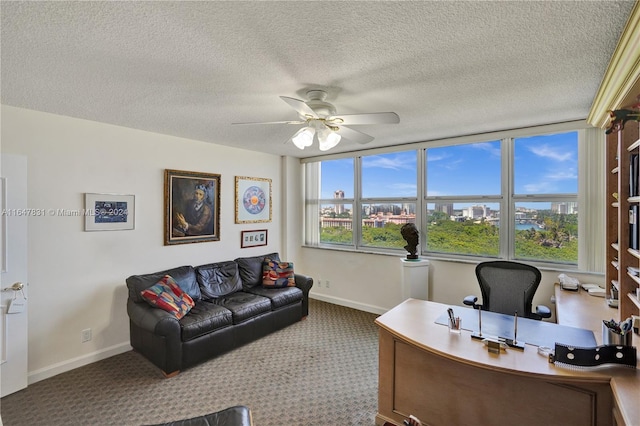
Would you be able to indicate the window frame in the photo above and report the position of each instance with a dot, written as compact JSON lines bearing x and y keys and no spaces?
{"x":590,"y":160}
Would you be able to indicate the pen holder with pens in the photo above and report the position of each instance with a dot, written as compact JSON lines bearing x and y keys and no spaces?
{"x":612,"y":336}
{"x":455,"y":325}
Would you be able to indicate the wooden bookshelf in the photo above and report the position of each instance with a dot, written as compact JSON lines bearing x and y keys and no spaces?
{"x":623,"y":217}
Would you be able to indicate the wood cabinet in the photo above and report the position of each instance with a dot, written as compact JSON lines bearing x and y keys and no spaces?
{"x":623,"y":218}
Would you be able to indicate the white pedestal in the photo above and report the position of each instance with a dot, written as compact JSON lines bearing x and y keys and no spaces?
{"x":415,"y":279}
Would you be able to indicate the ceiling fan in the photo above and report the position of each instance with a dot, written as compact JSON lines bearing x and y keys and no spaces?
{"x":322,"y":124}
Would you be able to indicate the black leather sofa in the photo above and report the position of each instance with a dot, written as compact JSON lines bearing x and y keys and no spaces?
{"x":231,"y":309}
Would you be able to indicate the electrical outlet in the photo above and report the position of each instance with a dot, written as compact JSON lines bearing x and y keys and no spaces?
{"x":327,"y":283}
{"x":86,"y":335}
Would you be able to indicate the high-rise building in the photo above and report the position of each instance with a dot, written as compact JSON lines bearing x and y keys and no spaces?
{"x":444,"y":208}
{"x":476,"y":212}
{"x":565,"y":207}
{"x":339,"y":194}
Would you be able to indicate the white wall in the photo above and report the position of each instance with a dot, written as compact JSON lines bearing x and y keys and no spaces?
{"x":373,"y":283}
{"x":77,"y":278}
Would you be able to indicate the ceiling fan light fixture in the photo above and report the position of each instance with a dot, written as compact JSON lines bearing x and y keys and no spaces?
{"x":303,"y":137}
{"x":328,"y":139}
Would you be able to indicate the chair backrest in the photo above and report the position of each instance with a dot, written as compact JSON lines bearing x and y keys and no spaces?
{"x":508,"y":287}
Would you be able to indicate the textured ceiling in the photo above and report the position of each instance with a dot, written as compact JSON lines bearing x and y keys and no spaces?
{"x":190,"y":69}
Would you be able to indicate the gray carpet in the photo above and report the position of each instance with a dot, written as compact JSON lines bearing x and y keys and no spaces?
{"x":320,"y":371}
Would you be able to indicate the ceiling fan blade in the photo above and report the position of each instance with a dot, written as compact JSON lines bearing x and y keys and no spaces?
{"x":273,"y":122}
{"x":301,"y":108}
{"x":354,"y":135}
{"x":370,"y":118}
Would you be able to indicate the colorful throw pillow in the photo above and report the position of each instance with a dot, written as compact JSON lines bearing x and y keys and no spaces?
{"x":167,"y":295}
{"x":277,"y":274}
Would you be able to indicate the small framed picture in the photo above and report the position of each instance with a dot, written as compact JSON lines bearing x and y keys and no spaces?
{"x":253,"y":200}
{"x":253,"y":238}
{"x":109,"y":212}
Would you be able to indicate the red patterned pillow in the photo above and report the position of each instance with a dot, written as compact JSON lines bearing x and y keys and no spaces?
{"x":167,"y":295}
{"x":277,"y":274}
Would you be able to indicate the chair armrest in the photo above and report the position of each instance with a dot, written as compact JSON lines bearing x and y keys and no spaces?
{"x":470,"y":300}
{"x":303,"y":282}
{"x":543,"y":311}
{"x":153,"y":320}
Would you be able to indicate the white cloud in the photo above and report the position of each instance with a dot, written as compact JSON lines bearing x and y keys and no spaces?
{"x":540,"y":188}
{"x":562,"y":174}
{"x":385,"y":162}
{"x":436,"y":157}
{"x":489,"y":147}
{"x":551,"y":153}
{"x":402,"y":189}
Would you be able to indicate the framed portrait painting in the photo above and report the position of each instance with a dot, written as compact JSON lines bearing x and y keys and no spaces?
{"x":109,"y":212}
{"x":253,"y":200}
{"x":192,"y":207}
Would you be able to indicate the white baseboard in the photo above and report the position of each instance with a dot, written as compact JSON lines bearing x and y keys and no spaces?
{"x":62,"y":367}
{"x":348,"y":303}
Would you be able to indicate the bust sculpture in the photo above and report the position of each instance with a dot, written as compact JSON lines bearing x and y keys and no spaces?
{"x":410,"y":234}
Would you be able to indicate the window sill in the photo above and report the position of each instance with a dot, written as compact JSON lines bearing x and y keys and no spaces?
{"x":543,"y":266}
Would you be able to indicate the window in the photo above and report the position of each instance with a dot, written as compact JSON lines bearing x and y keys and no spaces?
{"x":336,"y":202}
{"x":514,"y":196}
{"x":463,"y":199}
{"x":474,"y":182}
{"x":545,"y":198}
{"x":389,"y":195}
{"x":464,"y":170}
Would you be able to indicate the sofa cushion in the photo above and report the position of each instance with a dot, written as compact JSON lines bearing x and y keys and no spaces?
{"x":204,"y":318}
{"x":250,"y":269}
{"x":218,"y":279}
{"x":184,"y":276}
{"x":243,"y":305}
{"x":277,"y":274}
{"x":168,"y":296}
{"x":279,"y":296}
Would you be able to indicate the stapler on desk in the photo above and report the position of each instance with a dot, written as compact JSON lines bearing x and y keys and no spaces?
{"x":568,"y":283}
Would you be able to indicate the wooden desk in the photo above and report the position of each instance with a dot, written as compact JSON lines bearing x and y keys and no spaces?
{"x":579,"y":309}
{"x":445,"y":379}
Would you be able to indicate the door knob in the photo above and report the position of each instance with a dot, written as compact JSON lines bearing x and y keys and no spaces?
{"x":15,"y":287}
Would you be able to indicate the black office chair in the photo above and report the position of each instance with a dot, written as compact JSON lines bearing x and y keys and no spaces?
{"x":507,"y":288}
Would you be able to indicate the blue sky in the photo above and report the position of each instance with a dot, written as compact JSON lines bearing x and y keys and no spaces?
{"x":543,"y":165}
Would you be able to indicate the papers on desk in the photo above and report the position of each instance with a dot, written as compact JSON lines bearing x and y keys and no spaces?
{"x":594,"y":290}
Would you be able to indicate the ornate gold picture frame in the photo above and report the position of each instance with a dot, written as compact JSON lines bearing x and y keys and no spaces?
{"x":192,"y":207}
{"x":253,"y":200}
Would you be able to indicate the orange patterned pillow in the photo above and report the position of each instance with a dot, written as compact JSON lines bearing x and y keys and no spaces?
{"x":277,"y":274}
{"x":167,"y":295}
